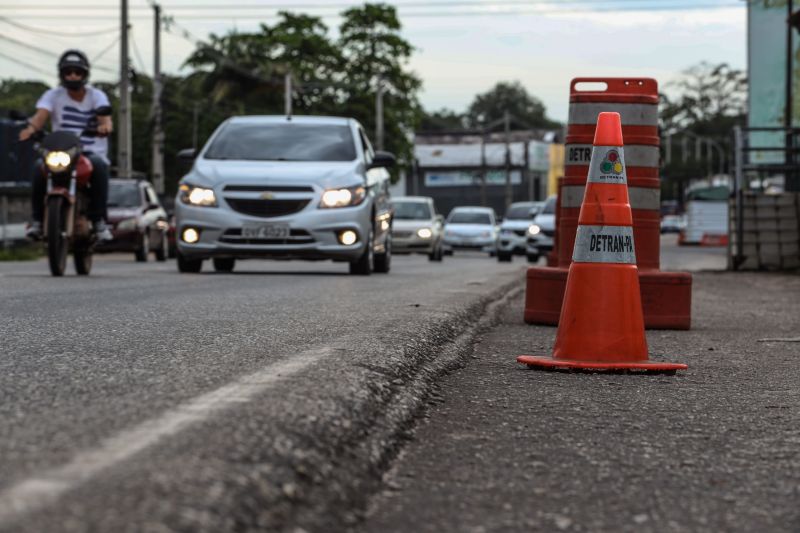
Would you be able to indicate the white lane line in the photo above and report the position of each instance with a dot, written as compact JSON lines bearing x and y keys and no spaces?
{"x":46,"y":487}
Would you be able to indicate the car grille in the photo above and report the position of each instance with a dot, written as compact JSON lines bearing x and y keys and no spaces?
{"x":266,"y":208}
{"x":402,"y":234}
{"x":296,"y":236}
{"x":521,"y":232}
{"x":549,"y":232}
{"x":270,"y":188}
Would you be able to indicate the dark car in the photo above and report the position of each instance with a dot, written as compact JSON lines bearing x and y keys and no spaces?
{"x":138,"y":220}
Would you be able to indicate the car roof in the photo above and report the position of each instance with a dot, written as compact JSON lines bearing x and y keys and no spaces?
{"x":295,"y":119}
{"x":475,"y":209}
{"x":419,"y":199}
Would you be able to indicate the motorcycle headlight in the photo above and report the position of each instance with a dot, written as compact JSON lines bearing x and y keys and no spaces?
{"x":424,"y":233}
{"x":58,"y":161}
{"x":534,"y":230}
{"x":198,"y":196}
{"x":345,"y":197}
{"x":128,"y":224}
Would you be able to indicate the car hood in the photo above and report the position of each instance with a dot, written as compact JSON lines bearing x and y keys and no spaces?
{"x":546,"y":222}
{"x":516,"y":224}
{"x":210,"y":173}
{"x":121,"y":213}
{"x":411,"y":225}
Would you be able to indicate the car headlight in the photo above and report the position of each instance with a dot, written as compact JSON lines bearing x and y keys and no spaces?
{"x":128,"y":224}
{"x":534,"y":230}
{"x":58,"y":161}
{"x":199,"y":196}
{"x":424,"y":233}
{"x":345,"y":197}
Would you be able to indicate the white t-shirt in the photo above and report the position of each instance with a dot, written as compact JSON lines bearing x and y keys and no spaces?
{"x":71,"y":115}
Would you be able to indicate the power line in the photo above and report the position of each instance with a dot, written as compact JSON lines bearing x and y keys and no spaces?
{"x":24,"y":64}
{"x":137,"y":54}
{"x":295,"y":6}
{"x":48,"y":31}
{"x":106,"y":49}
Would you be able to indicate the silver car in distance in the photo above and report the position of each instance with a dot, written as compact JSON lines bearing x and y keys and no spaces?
{"x":285,"y":188}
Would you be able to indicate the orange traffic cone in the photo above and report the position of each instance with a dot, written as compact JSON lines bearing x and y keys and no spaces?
{"x":601,"y":325}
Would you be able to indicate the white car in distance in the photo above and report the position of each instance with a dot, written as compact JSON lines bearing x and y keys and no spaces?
{"x":471,"y":228}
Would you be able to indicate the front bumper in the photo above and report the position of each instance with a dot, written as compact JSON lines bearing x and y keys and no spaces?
{"x":539,"y":244}
{"x":407,"y":242}
{"x":313,"y":233}
{"x":511,"y":243}
{"x":486,"y":244}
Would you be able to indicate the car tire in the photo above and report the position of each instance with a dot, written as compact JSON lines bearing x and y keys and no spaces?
{"x":186,"y":264}
{"x":532,"y":258}
{"x":163,"y":251}
{"x":504,"y":257}
{"x":224,"y":264}
{"x":383,"y":262}
{"x":364,"y":264}
{"x":143,"y":251}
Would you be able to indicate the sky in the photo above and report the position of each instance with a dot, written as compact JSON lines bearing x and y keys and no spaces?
{"x":462,"y":47}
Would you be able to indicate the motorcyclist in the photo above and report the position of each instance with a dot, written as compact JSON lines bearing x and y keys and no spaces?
{"x":72,"y":107}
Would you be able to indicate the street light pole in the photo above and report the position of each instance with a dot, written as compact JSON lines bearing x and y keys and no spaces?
{"x":158,"y":133}
{"x":124,"y":166}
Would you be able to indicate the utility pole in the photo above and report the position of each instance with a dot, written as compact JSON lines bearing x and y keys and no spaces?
{"x":287,"y":94}
{"x":507,"y":127}
{"x":379,"y":114}
{"x":124,"y":148}
{"x":158,"y":132}
{"x":483,"y":167}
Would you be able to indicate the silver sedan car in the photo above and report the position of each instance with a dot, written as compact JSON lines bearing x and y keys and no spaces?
{"x":417,"y":228}
{"x":285,"y":188}
{"x":471,"y":228}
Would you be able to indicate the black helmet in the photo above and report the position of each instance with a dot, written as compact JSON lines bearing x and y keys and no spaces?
{"x":73,"y":59}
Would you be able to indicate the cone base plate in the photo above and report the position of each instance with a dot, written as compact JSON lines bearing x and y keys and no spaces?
{"x":548,"y":363}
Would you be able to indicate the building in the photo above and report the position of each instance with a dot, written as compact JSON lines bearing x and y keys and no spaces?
{"x":471,"y":169}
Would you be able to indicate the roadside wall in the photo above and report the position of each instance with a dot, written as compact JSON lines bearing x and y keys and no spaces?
{"x":770,"y":232}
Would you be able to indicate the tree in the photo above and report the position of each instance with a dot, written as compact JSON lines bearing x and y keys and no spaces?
{"x":710,"y":100}
{"x":707,"y":102}
{"x":374,"y":52}
{"x":20,"y":95}
{"x":513,"y":98}
{"x":441,"y":121}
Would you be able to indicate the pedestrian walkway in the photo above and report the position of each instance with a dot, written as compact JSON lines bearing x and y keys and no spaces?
{"x":715,"y":448}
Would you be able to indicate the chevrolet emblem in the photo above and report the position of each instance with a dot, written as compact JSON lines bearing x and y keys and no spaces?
{"x":266,"y":195}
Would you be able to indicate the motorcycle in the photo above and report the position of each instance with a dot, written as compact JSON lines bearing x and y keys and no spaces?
{"x":68,"y":174}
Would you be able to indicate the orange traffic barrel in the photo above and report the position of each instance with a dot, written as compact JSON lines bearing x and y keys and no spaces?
{"x":602,"y":323}
{"x":636,"y":101}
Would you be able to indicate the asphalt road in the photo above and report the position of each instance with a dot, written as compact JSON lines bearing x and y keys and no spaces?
{"x":140,"y":399}
{"x":273,"y":398}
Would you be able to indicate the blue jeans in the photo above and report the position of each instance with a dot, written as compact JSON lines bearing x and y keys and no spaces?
{"x":98,"y":190}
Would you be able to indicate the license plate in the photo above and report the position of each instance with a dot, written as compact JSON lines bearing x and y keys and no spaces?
{"x":265,"y":231}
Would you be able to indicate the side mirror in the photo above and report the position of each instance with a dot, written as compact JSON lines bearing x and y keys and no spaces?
{"x":150,"y":207}
{"x":440,"y":219}
{"x":187,"y":154}
{"x":383,"y":160}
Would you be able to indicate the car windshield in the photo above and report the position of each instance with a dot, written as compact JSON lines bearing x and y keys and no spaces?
{"x":470,"y":218}
{"x":123,"y":195}
{"x":549,"y":206}
{"x":518,"y":212}
{"x":283,"y":142}
{"x":411,"y":211}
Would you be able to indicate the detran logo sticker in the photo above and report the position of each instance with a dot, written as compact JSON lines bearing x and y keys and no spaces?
{"x":612,"y":164}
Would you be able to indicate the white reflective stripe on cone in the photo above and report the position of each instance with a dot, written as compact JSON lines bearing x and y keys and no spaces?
{"x":608,"y":165}
{"x":636,"y":155}
{"x":640,"y":197}
{"x":604,"y":244}
{"x":630,"y":114}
